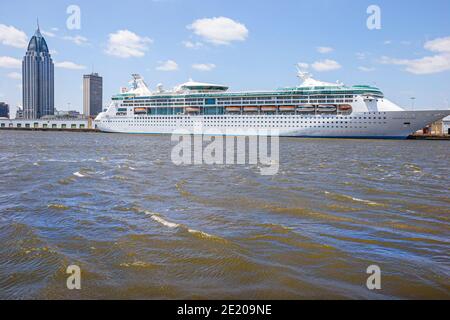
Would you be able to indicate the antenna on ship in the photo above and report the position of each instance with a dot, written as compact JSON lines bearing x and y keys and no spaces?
{"x":302,"y":73}
{"x":412,"y":102}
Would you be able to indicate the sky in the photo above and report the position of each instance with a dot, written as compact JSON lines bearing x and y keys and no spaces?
{"x":246,"y":44}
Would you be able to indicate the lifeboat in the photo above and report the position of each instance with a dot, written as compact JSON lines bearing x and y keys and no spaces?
{"x":345,"y":107}
{"x":269,"y":109}
{"x":233,"y":109}
{"x":287,"y":109}
{"x":250,"y":109}
{"x":140,"y":110}
{"x":192,"y":110}
{"x":327,"y":108}
{"x":306,"y":108}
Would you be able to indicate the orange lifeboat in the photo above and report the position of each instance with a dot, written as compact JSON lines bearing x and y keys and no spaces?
{"x":233,"y":109}
{"x":250,"y":109}
{"x":287,"y":108}
{"x":140,"y":110}
{"x":192,"y":110}
{"x":345,"y":107}
{"x":269,"y":109}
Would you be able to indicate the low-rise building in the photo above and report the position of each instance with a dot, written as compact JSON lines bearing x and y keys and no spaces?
{"x":59,"y":124}
{"x":19,"y":113}
{"x":446,"y":126}
{"x":438,"y":128}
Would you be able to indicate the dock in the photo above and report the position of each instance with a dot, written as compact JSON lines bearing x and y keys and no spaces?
{"x":428,"y":137}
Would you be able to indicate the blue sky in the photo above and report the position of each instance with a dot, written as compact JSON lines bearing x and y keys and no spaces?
{"x":246,"y":44}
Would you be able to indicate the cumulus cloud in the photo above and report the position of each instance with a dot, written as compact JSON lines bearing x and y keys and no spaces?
{"x":167,"y":66}
{"x":326,"y":65}
{"x":204,"y":66}
{"x":48,"y":34}
{"x":324,"y":50}
{"x":10,"y":62}
{"x":437,"y":63}
{"x":438,"y":45}
{"x":10,"y":36}
{"x":69,"y":65}
{"x":366,"y":69}
{"x":14,"y":75}
{"x":78,"y":40}
{"x":192,"y":45}
{"x":361,"y":55}
{"x":127,"y":44}
{"x":219,"y":30}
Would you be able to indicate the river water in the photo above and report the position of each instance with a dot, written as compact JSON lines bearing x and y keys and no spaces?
{"x":140,"y":227}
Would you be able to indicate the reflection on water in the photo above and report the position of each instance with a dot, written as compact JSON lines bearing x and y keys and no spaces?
{"x":140,"y":227}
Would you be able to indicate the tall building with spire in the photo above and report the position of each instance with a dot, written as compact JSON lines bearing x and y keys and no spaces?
{"x":38,"y":79}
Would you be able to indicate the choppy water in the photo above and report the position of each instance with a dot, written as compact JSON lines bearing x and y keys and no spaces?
{"x":141,"y":227}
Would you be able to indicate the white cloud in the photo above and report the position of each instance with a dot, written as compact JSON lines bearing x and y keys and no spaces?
{"x":78,"y":40}
{"x":168,"y":65}
{"x":14,"y":75}
{"x":126,"y":44}
{"x":438,"y":45}
{"x":9,"y":62}
{"x":192,"y":45}
{"x":69,"y":65}
{"x":361,"y":55}
{"x":366,"y":69}
{"x":326,"y":65}
{"x":429,"y":64}
{"x":10,"y":36}
{"x":324,"y":50}
{"x":387,"y":42}
{"x":48,"y":34}
{"x":425,"y":65}
{"x":204,"y":66}
{"x":303,"y":65}
{"x":219,"y":30}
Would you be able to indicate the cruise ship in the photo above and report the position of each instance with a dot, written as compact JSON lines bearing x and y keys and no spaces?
{"x":312,"y":109}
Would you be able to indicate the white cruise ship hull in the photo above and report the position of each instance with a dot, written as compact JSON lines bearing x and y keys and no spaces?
{"x":379,"y":125}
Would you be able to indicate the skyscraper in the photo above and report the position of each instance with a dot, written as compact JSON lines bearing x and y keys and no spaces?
{"x":92,"y":94}
{"x":38,"y":79}
{"x":4,"y":110}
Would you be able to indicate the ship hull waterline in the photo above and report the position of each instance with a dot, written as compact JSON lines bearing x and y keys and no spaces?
{"x":397,"y":125}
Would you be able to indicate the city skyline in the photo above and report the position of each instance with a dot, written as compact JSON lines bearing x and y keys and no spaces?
{"x":214,"y":42}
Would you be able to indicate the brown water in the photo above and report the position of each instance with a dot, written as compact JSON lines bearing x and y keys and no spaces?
{"x":141,"y":227}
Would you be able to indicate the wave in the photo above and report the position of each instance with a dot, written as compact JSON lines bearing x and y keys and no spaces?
{"x":172,"y":225}
{"x":160,"y":220}
{"x":346,"y":197}
{"x":78,"y":174}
